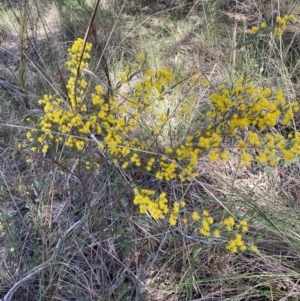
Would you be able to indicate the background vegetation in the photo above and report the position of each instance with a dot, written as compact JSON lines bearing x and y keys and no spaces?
{"x":73,"y":233}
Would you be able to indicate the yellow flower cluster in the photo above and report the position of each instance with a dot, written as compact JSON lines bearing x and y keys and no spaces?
{"x":228,"y":223}
{"x":226,"y":227}
{"x":148,"y":200}
{"x":206,"y":222}
{"x":114,"y":118}
{"x":72,"y":121}
{"x":157,"y":206}
{"x":175,"y":212}
{"x":236,"y":244}
{"x":279,"y":27}
{"x":281,"y":24}
{"x":247,"y":106}
{"x":255,"y":29}
{"x":65,"y":117}
{"x":242,"y":106}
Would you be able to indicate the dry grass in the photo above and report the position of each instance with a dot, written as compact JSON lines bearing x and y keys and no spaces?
{"x":72,"y":234}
